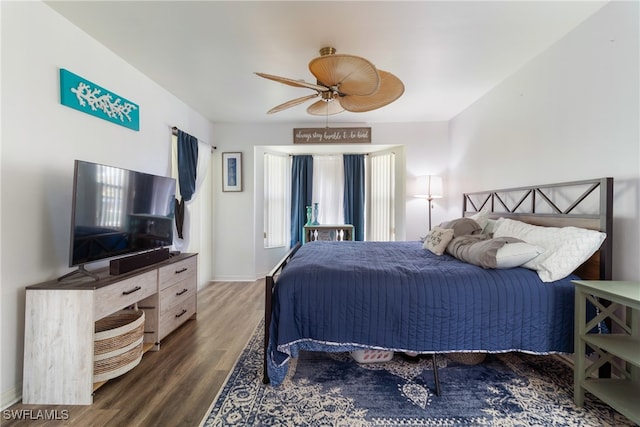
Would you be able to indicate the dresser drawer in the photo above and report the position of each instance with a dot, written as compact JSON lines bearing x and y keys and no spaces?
{"x":177,"y":294}
{"x":112,"y":298}
{"x":176,"y":315}
{"x":179,"y":271}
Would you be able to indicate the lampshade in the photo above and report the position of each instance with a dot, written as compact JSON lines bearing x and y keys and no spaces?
{"x":429,"y":186}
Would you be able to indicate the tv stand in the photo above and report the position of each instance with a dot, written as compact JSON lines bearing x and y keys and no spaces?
{"x":59,"y":337}
{"x":81,"y":270}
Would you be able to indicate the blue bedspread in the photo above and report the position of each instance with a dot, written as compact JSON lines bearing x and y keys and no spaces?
{"x":341,"y":296}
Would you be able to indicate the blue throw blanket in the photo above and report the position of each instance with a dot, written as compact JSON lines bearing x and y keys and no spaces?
{"x":341,"y":296}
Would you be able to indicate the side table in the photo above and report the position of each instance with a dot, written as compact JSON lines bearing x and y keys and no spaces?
{"x":620,"y":348}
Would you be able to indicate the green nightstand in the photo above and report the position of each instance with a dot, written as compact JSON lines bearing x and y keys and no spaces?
{"x":620,"y":348}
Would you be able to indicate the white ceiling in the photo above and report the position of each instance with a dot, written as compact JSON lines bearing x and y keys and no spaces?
{"x":447,"y":53}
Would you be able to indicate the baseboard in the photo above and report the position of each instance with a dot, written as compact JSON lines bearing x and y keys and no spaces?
{"x":11,"y":396}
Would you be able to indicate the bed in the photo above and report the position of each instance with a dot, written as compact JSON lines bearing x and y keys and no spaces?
{"x":420,"y":298}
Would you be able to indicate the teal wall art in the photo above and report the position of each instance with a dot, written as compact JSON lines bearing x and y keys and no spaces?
{"x":83,"y":95}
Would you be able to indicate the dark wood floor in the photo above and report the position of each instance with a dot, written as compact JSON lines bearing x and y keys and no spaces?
{"x":176,"y":385}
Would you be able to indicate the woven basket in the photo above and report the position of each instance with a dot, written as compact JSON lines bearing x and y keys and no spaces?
{"x":467,"y":358}
{"x":117,"y":344}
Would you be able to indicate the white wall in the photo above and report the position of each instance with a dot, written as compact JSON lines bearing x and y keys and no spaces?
{"x":427,"y":153}
{"x":570,"y":114}
{"x":40,"y":140}
{"x":238,"y":253}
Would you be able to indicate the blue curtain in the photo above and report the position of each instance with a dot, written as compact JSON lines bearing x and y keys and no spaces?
{"x":301,"y":195}
{"x":187,"y":165}
{"x":354,"y":193}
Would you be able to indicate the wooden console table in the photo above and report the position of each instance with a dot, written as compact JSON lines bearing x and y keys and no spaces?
{"x":621,"y":350}
{"x":339,"y":232}
{"x":60,"y":322}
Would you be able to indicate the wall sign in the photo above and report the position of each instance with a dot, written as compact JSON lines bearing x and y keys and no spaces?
{"x":331,"y":135}
{"x":82,"y":95}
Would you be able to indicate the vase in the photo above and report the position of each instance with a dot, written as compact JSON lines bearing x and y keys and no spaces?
{"x":315,"y":214}
{"x":309,"y":221}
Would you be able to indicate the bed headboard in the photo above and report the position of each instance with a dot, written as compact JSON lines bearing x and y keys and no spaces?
{"x":586,"y":204}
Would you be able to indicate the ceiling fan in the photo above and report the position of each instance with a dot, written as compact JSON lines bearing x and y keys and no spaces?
{"x":343,"y":82}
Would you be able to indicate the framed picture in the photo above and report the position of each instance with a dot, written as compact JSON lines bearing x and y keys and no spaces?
{"x":231,"y":171}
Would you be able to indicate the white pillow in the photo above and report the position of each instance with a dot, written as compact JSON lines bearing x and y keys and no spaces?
{"x":488,"y":229}
{"x":565,"y":248}
{"x":515,"y":254}
{"x":438,"y":239}
{"x":481,"y":218}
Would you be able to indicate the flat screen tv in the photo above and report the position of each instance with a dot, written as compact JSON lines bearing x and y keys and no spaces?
{"x":118,"y":211}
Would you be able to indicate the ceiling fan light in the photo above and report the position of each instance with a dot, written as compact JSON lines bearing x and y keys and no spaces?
{"x":328,"y":96}
{"x":344,"y":82}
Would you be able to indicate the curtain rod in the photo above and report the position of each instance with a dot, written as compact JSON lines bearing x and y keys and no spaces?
{"x":174,"y":131}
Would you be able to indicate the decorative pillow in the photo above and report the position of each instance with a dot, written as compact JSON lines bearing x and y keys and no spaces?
{"x":462,"y":226}
{"x":480,"y":250}
{"x":481,"y":218}
{"x":565,"y":248}
{"x":437,"y":240}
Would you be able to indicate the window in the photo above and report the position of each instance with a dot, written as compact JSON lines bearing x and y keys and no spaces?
{"x":277,"y":178}
{"x":328,"y":191}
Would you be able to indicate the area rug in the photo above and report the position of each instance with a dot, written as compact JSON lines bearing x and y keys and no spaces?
{"x":332,"y":389}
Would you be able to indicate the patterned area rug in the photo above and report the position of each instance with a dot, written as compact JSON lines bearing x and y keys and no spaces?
{"x":332,"y":389}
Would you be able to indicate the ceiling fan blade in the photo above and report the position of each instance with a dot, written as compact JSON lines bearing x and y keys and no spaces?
{"x":291,"y":103}
{"x":391,"y":88}
{"x":324,"y":108}
{"x":352,"y":75}
{"x":291,"y":82}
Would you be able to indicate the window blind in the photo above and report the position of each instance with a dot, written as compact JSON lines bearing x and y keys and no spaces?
{"x":381,"y":197}
{"x":276,"y":199}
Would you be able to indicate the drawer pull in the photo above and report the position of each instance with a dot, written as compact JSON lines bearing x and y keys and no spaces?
{"x":136,"y":289}
{"x":181,"y":271}
{"x":181,"y":292}
{"x":181,"y":313}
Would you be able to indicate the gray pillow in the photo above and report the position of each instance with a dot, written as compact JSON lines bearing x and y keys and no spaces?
{"x":462,"y":226}
{"x":484,"y":252}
